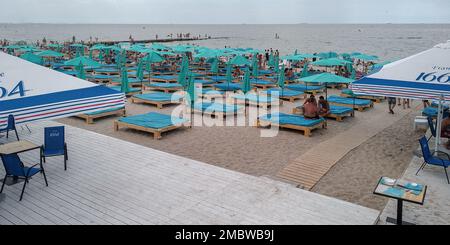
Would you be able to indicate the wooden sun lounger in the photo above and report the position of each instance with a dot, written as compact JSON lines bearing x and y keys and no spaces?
{"x":376,"y":99}
{"x":90,"y":118}
{"x":158,"y":104}
{"x":306,"y":130}
{"x":153,"y":79}
{"x":292,"y":99}
{"x":264,"y":105}
{"x":156,"y":132}
{"x":264,"y":86}
{"x":218,"y":114}
{"x":165,"y":90}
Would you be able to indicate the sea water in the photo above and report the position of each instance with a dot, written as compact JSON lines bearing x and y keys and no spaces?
{"x":388,"y":41}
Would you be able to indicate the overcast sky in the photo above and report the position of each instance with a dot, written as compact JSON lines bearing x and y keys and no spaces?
{"x":225,"y":11}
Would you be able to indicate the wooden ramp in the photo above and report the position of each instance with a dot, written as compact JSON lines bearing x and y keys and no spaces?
{"x":309,"y":168}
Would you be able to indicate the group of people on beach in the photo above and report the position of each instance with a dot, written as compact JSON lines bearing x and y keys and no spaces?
{"x":313,"y":109}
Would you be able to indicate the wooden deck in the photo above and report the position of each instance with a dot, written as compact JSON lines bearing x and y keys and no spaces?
{"x":110,"y":181}
{"x":308,"y":169}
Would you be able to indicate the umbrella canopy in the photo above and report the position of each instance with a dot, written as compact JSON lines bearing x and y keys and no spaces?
{"x":255,"y":66}
{"x":49,"y":54}
{"x":228,"y":75}
{"x":239,"y":61}
{"x":124,"y":86}
{"x":55,"y":45}
{"x":192,"y":95}
{"x":153,"y":57}
{"x":215,"y":66}
{"x":420,"y":76}
{"x":281,"y":78}
{"x":43,"y":94}
{"x":330,"y":62}
{"x":183,"y":71}
{"x":305,"y":72}
{"x":140,"y":71}
{"x":81,"y":74}
{"x":326,"y":78}
{"x":158,"y":46}
{"x":246,"y":86}
{"x":83,"y":60}
{"x":276,"y":64}
{"x":32,"y":58}
{"x":423,"y":76}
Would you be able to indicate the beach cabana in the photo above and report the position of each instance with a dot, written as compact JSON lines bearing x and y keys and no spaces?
{"x":43,"y":94}
{"x":423,"y":76}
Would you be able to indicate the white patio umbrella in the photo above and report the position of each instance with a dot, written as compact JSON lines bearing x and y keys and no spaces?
{"x":424,"y":76}
{"x":32,"y":92}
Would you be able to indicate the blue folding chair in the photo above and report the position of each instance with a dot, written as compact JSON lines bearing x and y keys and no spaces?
{"x":54,"y":144}
{"x":10,"y":127}
{"x":14,"y":168}
{"x":429,"y":158}
{"x":432,"y":128}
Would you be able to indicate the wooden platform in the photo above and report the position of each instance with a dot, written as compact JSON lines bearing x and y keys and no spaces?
{"x":306,"y":130}
{"x":90,"y":118}
{"x":110,"y":181}
{"x":165,"y":90}
{"x":338,"y":118}
{"x":157,"y":133}
{"x":158,"y":104}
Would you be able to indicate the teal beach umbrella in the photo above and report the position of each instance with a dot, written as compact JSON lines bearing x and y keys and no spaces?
{"x":85,"y":61}
{"x":229,"y":76}
{"x":49,"y":54}
{"x":246,"y":87}
{"x":124,"y":86}
{"x":281,"y":78}
{"x":239,"y":61}
{"x":81,"y":73}
{"x":255,"y":67}
{"x":32,"y":58}
{"x":215,"y":66}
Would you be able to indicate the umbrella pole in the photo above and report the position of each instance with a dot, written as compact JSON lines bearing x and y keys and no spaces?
{"x":439,"y":124}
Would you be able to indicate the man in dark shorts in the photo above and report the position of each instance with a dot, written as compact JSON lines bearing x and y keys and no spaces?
{"x":392,"y":101}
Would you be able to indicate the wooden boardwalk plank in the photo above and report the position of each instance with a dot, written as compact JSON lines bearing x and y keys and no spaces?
{"x":110,"y":181}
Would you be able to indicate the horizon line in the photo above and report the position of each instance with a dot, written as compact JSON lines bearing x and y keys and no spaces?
{"x":302,"y":23}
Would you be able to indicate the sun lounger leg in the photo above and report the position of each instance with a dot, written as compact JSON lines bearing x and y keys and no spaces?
{"x":159,"y":105}
{"x":89,"y":120}
{"x":157,"y":135}
{"x":307,"y":132}
{"x":116,"y":126}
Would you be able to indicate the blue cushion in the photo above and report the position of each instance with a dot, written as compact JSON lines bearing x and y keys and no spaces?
{"x":348,"y":101}
{"x":159,"y":96}
{"x":229,"y":87}
{"x":153,"y":120}
{"x":283,"y":118}
{"x":340,"y":110}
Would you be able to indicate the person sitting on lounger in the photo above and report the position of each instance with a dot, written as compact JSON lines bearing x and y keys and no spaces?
{"x":324,"y":107}
{"x":310,"y":109}
{"x":237,"y":72}
{"x":311,"y":99}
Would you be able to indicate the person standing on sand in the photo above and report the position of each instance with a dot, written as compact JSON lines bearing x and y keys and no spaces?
{"x":392,"y":101}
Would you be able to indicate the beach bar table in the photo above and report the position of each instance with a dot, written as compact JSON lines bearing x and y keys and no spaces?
{"x":401,"y":191}
{"x":16,"y":148}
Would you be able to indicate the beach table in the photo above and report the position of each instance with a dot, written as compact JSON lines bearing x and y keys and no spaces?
{"x":401,"y":191}
{"x":16,"y":147}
